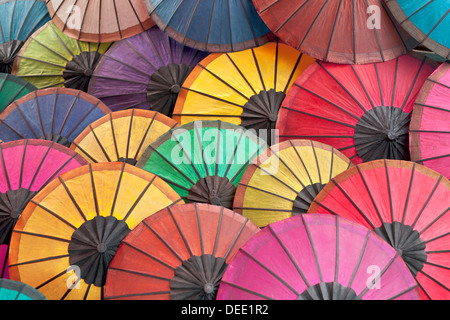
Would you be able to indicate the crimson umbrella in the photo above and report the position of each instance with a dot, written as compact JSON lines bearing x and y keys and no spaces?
{"x":317,"y":257}
{"x":363,"y":111}
{"x":407,"y":205}
{"x":4,"y":261}
{"x":430,"y":123}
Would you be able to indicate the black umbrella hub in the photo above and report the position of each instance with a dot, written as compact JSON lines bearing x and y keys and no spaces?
{"x":8,"y":52}
{"x":328,"y":291}
{"x":79,"y":70}
{"x":214,"y":190}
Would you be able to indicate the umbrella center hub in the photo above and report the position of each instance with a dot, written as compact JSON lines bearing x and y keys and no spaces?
{"x":213,"y":190}
{"x":208,"y":288}
{"x":101,"y":247}
{"x":305,"y":197}
{"x":8,"y":53}
{"x":175,"y":88}
{"x":79,"y":70}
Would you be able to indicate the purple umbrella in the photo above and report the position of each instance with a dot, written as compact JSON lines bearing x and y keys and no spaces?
{"x":145,"y":71}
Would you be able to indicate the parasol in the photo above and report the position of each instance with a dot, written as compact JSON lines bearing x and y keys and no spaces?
{"x":121,"y":135}
{"x":426,"y":20}
{"x":16,"y":290}
{"x":283,"y":181}
{"x":203,"y":160}
{"x":68,"y":234}
{"x":245,"y":88}
{"x":12,"y":88}
{"x":57,"y":114}
{"x":18,"y":20}
{"x":214,"y":26}
{"x":362,"y":110}
{"x":4,"y":274}
{"x":179,"y":253}
{"x":317,"y":257}
{"x":99,"y":20}
{"x":429,"y":129}
{"x":145,"y":71}
{"x":26,"y":167}
{"x":51,"y":59}
{"x":407,"y":205}
{"x":345,"y":32}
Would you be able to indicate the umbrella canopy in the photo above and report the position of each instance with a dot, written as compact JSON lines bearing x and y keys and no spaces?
{"x":214,"y":26}
{"x":145,"y":71}
{"x":26,"y":167}
{"x":430,"y":123}
{"x":407,"y":205}
{"x":283,"y":181}
{"x":346,"y":32}
{"x":70,"y":231}
{"x":426,"y":20}
{"x":4,"y":274}
{"x":19,"y":19}
{"x":51,"y":59}
{"x":317,"y":257}
{"x":57,"y":114}
{"x":121,"y":135}
{"x":203,"y":160}
{"x":179,"y":253}
{"x":100,"y":20}
{"x":16,"y":290}
{"x":362,"y":110}
{"x":12,"y":88}
{"x":245,"y":88}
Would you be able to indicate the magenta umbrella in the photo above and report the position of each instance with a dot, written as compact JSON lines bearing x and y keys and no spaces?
{"x":317,"y":257}
{"x":4,"y":261}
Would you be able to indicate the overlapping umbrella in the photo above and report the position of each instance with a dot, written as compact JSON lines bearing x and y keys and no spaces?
{"x":145,"y":71}
{"x":430,"y":123}
{"x":203,"y":160}
{"x":56,"y":114}
{"x":179,"y":253}
{"x":364,"y":111}
{"x":214,"y":26}
{"x":100,"y":20}
{"x":70,"y":231}
{"x":407,"y":205}
{"x":245,"y":88}
{"x":284,"y":180}
{"x":19,"y":19}
{"x":16,"y":290}
{"x":346,"y":32}
{"x":121,"y":135}
{"x":52,"y":59}
{"x":12,"y":88}
{"x":317,"y":257}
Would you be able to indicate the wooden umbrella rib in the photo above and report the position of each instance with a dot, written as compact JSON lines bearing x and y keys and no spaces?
{"x":378,"y":276}
{"x":435,"y":220}
{"x":26,"y":120}
{"x":4,"y":166}
{"x":127,"y":42}
{"x":249,"y":24}
{"x":113,"y":134}
{"x":210,"y":24}
{"x":388,"y":182}
{"x":82,"y":119}
{"x":219,"y":224}
{"x":320,"y":117}
{"x":409,"y":192}
{"x":163,"y":241}
{"x":119,"y":29}
{"x":310,"y":240}
{"x":240,"y":72}
{"x":363,"y":249}
{"x":414,"y":83}
{"x":266,"y":191}
{"x":72,"y":198}
{"x":432,"y":107}
{"x":50,"y":258}
{"x":414,"y":287}
{"x":25,"y":18}
{"x":312,"y":24}
{"x":188,"y":157}
{"x":39,"y":166}
{"x":281,"y":26}
{"x":238,"y":234}
{"x":139,"y":274}
{"x":246,"y":290}
{"x":99,"y":143}
{"x":333,"y":30}
{"x":201,"y":149}
{"x":94,"y":191}
{"x":179,"y":231}
{"x":130,"y":129}
{"x":139,"y":198}
{"x":145,"y":135}
{"x":434,"y":280}
{"x":11,"y":21}
{"x":189,"y":24}
{"x":39,"y":235}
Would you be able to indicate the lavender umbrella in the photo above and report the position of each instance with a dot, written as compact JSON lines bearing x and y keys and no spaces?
{"x":145,"y":71}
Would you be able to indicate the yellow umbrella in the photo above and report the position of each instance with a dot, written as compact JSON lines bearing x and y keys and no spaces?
{"x":68,"y":234}
{"x":245,"y":88}
{"x":121,"y":135}
{"x":284,"y":181}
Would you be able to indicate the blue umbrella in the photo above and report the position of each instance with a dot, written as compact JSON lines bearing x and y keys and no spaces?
{"x":428,"y":21}
{"x":214,"y":26}
{"x":18,"y":20}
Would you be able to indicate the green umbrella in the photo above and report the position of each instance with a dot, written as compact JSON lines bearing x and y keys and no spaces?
{"x":203,"y":160}
{"x":12,"y":88}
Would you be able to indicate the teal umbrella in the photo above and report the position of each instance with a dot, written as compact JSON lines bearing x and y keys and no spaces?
{"x":16,"y":290}
{"x":13,"y":88}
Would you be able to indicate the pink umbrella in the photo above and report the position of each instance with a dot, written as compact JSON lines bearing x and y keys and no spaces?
{"x":317,"y":257}
{"x":4,"y":261}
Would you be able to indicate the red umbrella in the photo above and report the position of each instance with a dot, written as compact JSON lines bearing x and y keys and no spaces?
{"x":317,"y":257}
{"x":361,"y":110}
{"x":406,"y":204}
{"x":430,"y":123}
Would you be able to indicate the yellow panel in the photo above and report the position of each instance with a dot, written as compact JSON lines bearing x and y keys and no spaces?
{"x":263,"y":218}
{"x":266,"y":57}
{"x":81,"y":190}
{"x":105,"y":185}
{"x":245,"y":62}
{"x":286,"y":65}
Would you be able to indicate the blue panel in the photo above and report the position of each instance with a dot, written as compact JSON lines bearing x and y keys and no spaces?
{"x":220,"y":24}
{"x":198,"y":30}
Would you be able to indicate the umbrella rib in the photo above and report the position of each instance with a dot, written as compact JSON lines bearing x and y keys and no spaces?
{"x":414,"y":83}
{"x":249,"y":24}
{"x":383,"y":5}
{"x":314,"y":136}
{"x":72,"y":198}
{"x":117,"y":189}
{"x":61,"y":41}
{"x":99,"y":143}
{"x":147,"y":255}
{"x":301,"y":160}
{"x":246,"y":164}
{"x":163,"y":241}
{"x":38,"y":110}
{"x":291,"y":76}
{"x":434,"y":158}
{"x":266,"y":191}
{"x":26,"y":120}
{"x":94,"y":191}
{"x":209,"y":26}
{"x":201,"y":149}
{"x":114,"y":136}
{"x":188,"y":157}
{"x":378,"y":277}
{"x":82,"y":119}
{"x":375,"y":65}
{"x":436,"y":25}
{"x":38,"y":235}
{"x":234,"y":153}
{"x":434,"y":221}
{"x":317,"y":161}
{"x":140,"y":274}
{"x":130,"y":129}
{"x":70,"y":13}
{"x":39,"y":260}
{"x":219,"y":225}
{"x":84,"y":152}
{"x":39,"y":166}
{"x":200,"y":234}
{"x":403,"y":292}
{"x":212,"y":97}
{"x":240,"y":72}
{"x":4,"y":167}
{"x":363,"y":87}
{"x":128,"y":65}
{"x":434,"y":280}
{"x":145,"y":135}
{"x":137,"y":16}
{"x":409,"y":192}
{"x":24,"y":18}
{"x":429,"y":131}
{"x":320,"y":117}
{"x":139,"y":53}
{"x":441,"y":84}
{"x":376,"y":33}
{"x":40,"y":61}
{"x":312,"y":247}
{"x":363,"y":249}
{"x":218,"y":147}
{"x":432,"y":107}
{"x":118,"y":79}
{"x":246,"y":290}
{"x":426,"y":203}
{"x":119,"y":29}
{"x":388,"y":182}
{"x":333,"y":30}
{"x":139,"y":198}
{"x":179,"y":231}
{"x":189,"y":25}
{"x":238,"y":234}
{"x":281,"y":26}
{"x":57,"y":171}
{"x":312,"y":24}
{"x":12,"y":129}
{"x":258,"y":69}
{"x":11,"y":21}
{"x":68,"y":111}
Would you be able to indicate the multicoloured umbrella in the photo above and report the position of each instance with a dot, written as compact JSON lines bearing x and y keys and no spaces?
{"x":430,"y":123}
{"x":12,"y":88}
{"x":179,"y":253}
{"x":18,"y":20}
{"x":68,"y":234}
{"x":145,"y":71}
{"x":26,"y":167}
{"x":51,"y":59}
{"x":121,"y":135}
{"x":362,"y":110}
{"x":245,"y":88}
{"x":100,"y":20}
{"x":284,"y":180}
{"x":426,"y":20}
{"x":214,"y":26}
{"x":203,"y":160}
{"x":407,"y":205}
{"x":345,"y":32}
{"x":16,"y":290}
{"x":317,"y":257}
{"x":56,"y":114}
{"x":4,"y":274}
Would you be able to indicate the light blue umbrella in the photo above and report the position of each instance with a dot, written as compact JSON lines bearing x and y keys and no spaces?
{"x":16,"y":290}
